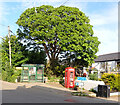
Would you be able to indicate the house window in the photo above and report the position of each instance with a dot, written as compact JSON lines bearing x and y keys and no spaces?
{"x":102,"y":65}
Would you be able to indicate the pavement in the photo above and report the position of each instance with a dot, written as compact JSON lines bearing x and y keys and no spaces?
{"x":52,"y":87}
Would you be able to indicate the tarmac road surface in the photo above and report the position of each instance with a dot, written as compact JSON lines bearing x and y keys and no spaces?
{"x":41,"y":94}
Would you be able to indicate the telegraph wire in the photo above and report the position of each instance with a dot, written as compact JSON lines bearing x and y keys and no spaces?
{"x":12,"y":32}
{"x":64,"y":2}
{"x":6,"y":27}
{"x":3,"y":25}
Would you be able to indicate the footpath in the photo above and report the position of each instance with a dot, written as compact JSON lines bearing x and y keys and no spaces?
{"x":9,"y":86}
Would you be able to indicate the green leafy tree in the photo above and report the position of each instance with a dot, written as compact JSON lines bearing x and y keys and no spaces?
{"x":62,"y":31}
{"x":36,"y":57}
{"x":17,"y":49}
{"x":17,"y":58}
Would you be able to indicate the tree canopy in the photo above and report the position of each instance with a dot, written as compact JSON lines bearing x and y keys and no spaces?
{"x":17,"y":58}
{"x":61,"y":31}
{"x":35,"y":56}
{"x":17,"y":50}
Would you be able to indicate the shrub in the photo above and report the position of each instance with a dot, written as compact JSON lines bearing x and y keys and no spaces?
{"x":112,"y":80}
{"x":93,"y":76}
{"x":10,"y":74}
{"x":61,"y":81}
{"x":92,"y":90}
{"x":117,"y":84}
{"x":54,"y":78}
{"x":79,"y":94}
{"x":4,"y":75}
{"x":59,"y":70}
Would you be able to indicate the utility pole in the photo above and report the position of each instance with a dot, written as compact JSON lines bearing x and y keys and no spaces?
{"x":9,"y":45}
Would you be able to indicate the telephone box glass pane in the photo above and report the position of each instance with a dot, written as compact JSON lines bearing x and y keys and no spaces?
{"x":66,"y":78}
{"x":71,"y":75}
{"x":71,"y":78}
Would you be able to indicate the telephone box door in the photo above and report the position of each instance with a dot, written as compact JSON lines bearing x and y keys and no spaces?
{"x":69,"y":77}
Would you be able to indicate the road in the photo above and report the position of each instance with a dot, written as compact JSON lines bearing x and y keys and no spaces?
{"x":41,"y":94}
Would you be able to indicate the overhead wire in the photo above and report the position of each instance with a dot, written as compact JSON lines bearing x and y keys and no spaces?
{"x":64,"y":2}
{"x":3,"y":25}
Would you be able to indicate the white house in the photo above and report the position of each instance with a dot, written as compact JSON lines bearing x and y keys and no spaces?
{"x":107,"y":63}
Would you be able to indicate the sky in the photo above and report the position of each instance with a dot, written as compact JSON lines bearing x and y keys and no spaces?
{"x":103,"y":16}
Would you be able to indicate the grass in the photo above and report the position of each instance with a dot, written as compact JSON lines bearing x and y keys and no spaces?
{"x":79,"y":94}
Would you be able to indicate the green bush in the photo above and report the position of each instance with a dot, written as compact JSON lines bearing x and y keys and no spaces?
{"x":112,"y":80}
{"x":92,"y":90}
{"x":54,"y":78}
{"x":59,"y":71}
{"x":93,"y":76}
{"x":10,"y":74}
{"x":79,"y":94}
{"x":4,"y":75}
{"x":61,"y":81}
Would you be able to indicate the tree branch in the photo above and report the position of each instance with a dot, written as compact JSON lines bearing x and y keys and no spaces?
{"x":46,"y":50}
{"x":58,"y":52}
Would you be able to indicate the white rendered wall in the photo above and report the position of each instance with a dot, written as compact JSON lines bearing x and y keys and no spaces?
{"x":89,"y":84}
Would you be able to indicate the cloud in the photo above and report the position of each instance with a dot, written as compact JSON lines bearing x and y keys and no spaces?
{"x":36,"y":3}
{"x":1,"y":11}
{"x":56,"y":3}
{"x":81,"y":5}
{"x":106,"y":34}
{"x":3,"y":19}
{"x":33,"y":3}
{"x":108,"y":38}
{"x":109,"y":16}
{"x":105,"y":27}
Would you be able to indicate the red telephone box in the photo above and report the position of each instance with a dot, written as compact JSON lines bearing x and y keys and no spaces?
{"x":69,"y":77}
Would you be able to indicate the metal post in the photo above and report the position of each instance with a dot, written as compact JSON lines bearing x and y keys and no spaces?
{"x":9,"y":44}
